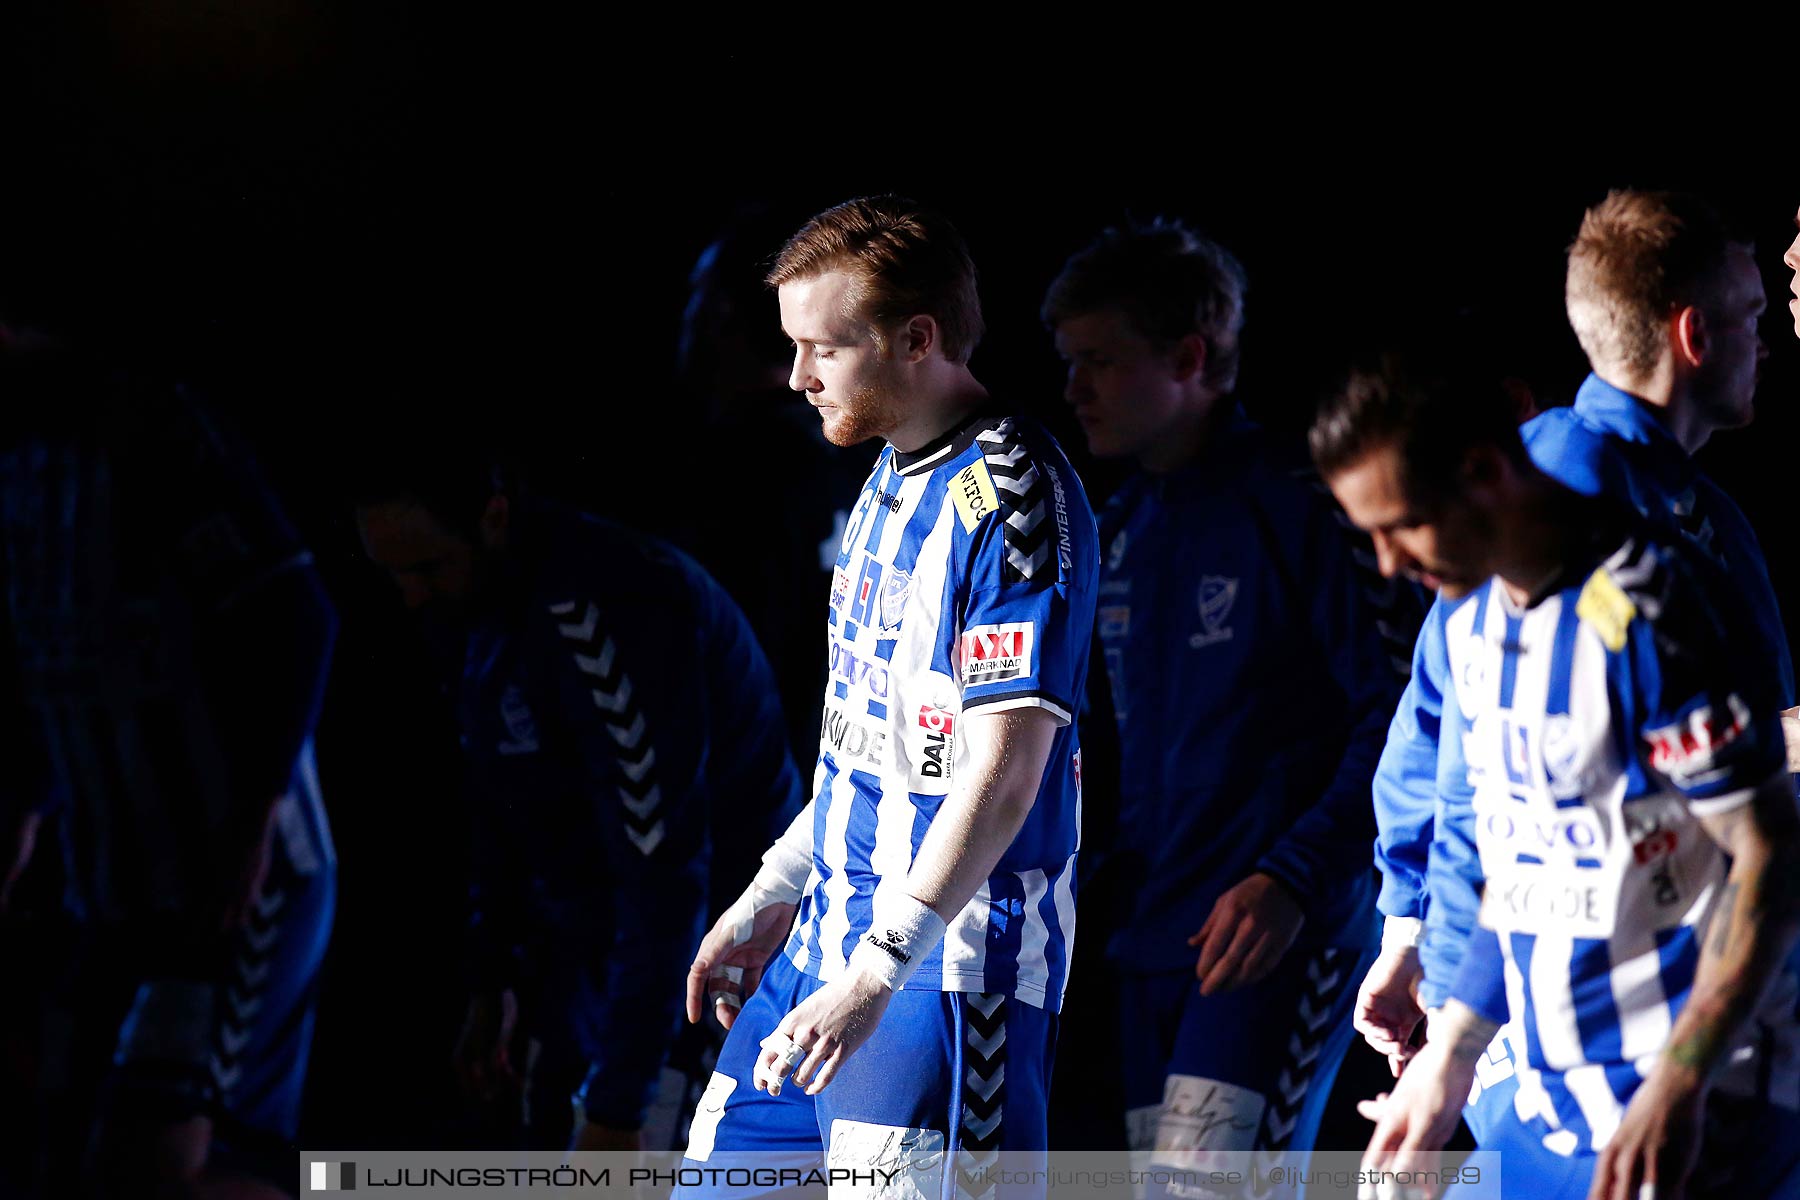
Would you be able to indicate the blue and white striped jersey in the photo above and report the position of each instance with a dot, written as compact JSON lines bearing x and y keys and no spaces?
{"x":1606,"y":444}
{"x":1597,"y":727}
{"x":150,"y":588}
{"x":965,"y":583}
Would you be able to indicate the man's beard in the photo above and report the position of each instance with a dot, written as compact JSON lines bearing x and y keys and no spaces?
{"x":871,"y":411}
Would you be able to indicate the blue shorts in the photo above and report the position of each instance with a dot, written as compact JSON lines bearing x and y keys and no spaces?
{"x":1249,"y":1069}
{"x":959,"y":1070}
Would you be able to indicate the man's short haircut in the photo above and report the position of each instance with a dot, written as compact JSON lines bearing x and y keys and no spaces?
{"x":1168,"y":281}
{"x":451,"y":481}
{"x":1428,"y":407}
{"x":1639,"y":258}
{"x":907,"y":261}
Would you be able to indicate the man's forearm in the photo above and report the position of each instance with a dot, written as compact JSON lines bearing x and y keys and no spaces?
{"x":1008,"y":753}
{"x":1750,"y":936}
{"x":1465,"y":1033}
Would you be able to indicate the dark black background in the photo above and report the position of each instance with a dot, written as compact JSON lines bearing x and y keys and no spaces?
{"x":330,"y":216}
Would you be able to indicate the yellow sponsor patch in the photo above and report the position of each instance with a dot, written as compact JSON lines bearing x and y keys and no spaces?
{"x":973,"y":491}
{"x":1607,"y":608}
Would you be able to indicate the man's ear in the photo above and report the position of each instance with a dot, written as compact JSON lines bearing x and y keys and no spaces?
{"x":495,"y":519}
{"x":1690,"y":336}
{"x":918,"y":338}
{"x":1484,"y":468}
{"x":1189,"y":357}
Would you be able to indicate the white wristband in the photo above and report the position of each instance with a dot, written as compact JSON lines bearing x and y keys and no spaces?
{"x":902,"y":932}
{"x":1401,"y":932}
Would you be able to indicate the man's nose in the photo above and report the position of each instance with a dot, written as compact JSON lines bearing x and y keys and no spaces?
{"x":801,"y":378}
{"x":1388,"y":555}
{"x":1078,"y":386}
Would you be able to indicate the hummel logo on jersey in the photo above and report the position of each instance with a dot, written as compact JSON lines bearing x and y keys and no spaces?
{"x":992,"y":653}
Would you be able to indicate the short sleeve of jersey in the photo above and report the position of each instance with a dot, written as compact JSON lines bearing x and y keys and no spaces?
{"x":1703,"y":710}
{"x":1020,"y":644}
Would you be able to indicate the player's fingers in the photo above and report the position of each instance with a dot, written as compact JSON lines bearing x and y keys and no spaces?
{"x":1389,"y":1130}
{"x":763,"y":1073}
{"x":1634,"y":1175}
{"x":1260,"y":962}
{"x":724,"y":992}
{"x":696,"y":988}
{"x":1624,"y":1175}
{"x":1228,"y":963}
{"x":781,"y":1053}
{"x":1200,"y":934}
{"x":1371,"y":1110}
{"x":1397,"y":1063}
{"x":1216,"y":935}
{"x":815,"y":1058}
{"x":1380,"y":1149}
{"x":1600,"y":1186}
{"x":827,"y":1073}
{"x":1419,"y":1140}
{"x":1380,"y":1043}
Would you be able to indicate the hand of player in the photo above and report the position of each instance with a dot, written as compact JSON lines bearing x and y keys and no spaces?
{"x":1250,"y":927}
{"x":831,"y":1024}
{"x":722,"y":948}
{"x":1790,"y":734}
{"x":247,"y":867}
{"x":18,"y":854}
{"x":482,"y":1059}
{"x":1388,"y":1013}
{"x":1420,"y":1114}
{"x":1657,"y":1141}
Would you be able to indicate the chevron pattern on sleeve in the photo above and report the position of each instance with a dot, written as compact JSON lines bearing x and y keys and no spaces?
{"x":596,"y":657}
{"x":246,"y":983}
{"x":1024,"y":501}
